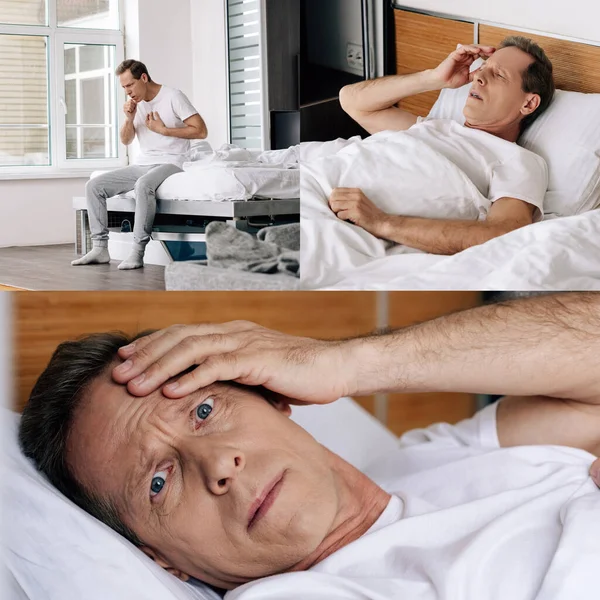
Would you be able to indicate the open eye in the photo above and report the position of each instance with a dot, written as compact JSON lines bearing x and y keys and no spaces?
{"x":204,"y":409}
{"x":158,"y":483}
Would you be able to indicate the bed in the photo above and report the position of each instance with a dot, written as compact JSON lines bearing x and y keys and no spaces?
{"x":560,"y":253}
{"x":244,"y":188}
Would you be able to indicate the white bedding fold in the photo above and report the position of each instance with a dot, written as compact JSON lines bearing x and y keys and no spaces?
{"x":555,"y":255}
{"x":400,"y":174}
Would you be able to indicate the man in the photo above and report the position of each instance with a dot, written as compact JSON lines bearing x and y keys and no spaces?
{"x":512,"y":88}
{"x":164,"y":121}
{"x":214,"y":482}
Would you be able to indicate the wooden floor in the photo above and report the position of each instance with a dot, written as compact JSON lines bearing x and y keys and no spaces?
{"x":49,"y":268}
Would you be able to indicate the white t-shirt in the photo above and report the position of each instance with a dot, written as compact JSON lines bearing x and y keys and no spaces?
{"x":468,"y":520}
{"x":155,"y":149}
{"x":497,"y":168}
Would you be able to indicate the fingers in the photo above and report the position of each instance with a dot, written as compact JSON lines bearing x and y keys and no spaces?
{"x":142,"y":354}
{"x":476,"y":49}
{"x":219,"y":367}
{"x":194,"y":350}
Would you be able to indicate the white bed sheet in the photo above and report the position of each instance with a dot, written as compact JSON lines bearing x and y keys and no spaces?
{"x":555,"y":255}
{"x":226,"y":184}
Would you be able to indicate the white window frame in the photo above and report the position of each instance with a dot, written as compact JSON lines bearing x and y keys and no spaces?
{"x":57,"y":37}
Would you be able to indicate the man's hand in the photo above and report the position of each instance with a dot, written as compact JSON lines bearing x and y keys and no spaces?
{"x":350,"y":204}
{"x":303,"y":370}
{"x":130,"y":110}
{"x":454,"y":71}
{"x":155,"y":123}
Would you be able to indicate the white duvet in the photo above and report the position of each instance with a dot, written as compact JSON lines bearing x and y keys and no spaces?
{"x":559,"y":254}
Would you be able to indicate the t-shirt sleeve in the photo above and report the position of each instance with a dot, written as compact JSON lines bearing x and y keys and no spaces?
{"x":480,"y":431}
{"x":182,"y":107}
{"x":523,"y":176}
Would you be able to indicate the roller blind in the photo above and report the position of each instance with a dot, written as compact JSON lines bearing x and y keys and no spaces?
{"x":245,"y":73}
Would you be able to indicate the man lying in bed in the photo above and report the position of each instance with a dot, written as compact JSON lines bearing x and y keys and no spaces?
{"x":214,"y":482}
{"x":164,"y":121}
{"x":509,"y":91}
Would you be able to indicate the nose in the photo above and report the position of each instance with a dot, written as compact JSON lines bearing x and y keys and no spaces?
{"x":479,"y":77}
{"x":222,"y":465}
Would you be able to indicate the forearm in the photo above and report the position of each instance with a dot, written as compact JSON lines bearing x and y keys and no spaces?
{"x":379,"y":94}
{"x":185,"y":133}
{"x":547,"y":345}
{"x":127,"y":133}
{"x":440,"y":236}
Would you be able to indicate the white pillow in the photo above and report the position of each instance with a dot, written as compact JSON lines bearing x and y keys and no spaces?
{"x":57,"y":551}
{"x":566,"y":136}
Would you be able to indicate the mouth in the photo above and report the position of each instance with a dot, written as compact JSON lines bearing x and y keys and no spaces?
{"x":260,"y":507}
{"x":475,"y":95}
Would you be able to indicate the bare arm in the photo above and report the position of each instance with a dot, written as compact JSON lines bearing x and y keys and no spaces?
{"x":437,"y":236}
{"x":546,"y":345}
{"x":195,"y":127}
{"x":372,"y":103}
{"x":127,"y":132}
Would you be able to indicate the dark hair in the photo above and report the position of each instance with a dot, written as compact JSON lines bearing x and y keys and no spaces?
{"x":537,"y":78}
{"x":48,"y":417}
{"x":136,"y":67}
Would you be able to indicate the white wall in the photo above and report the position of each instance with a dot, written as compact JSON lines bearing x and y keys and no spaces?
{"x":37,"y":212}
{"x":575,"y":18}
{"x":209,"y":50}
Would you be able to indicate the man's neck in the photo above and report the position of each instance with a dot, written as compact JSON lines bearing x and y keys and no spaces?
{"x":509,"y":132}
{"x":152,"y":91}
{"x":361,"y":503}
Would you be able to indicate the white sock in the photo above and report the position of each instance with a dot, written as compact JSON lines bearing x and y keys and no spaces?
{"x":98,"y":255}
{"x":135,"y":260}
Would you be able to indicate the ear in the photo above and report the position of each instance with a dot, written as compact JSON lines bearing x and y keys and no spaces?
{"x":144,"y":78}
{"x":163,"y":564}
{"x":531,"y":105}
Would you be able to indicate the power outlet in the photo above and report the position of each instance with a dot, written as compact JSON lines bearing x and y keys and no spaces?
{"x":354,"y":56}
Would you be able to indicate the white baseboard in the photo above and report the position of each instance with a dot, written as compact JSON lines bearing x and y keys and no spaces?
{"x":119,"y":247}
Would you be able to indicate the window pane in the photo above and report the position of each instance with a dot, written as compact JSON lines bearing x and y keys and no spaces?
{"x":92,"y":101}
{"x":23,"y":100}
{"x":88,"y":14}
{"x":90,"y":142}
{"x":23,"y":12}
{"x":90,"y":96}
{"x":245,"y":97}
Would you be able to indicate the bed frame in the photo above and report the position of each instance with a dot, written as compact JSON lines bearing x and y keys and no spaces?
{"x":237,"y":213}
{"x":424,"y":39}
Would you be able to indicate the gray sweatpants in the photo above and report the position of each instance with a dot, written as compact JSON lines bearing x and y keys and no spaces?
{"x":145,"y":180}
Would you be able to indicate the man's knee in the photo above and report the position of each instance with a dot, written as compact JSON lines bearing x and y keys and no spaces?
{"x":145,"y":186}
{"x":98,"y":185}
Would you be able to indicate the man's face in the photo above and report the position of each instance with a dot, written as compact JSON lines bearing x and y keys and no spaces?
{"x":187,"y":476}
{"x":134,"y":88}
{"x":496,"y":97}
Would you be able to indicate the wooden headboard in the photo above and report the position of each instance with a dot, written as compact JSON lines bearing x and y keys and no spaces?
{"x":423,"y":41}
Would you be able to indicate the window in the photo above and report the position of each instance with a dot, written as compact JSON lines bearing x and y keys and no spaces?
{"x":58,"y":94}
{"x":245,"y":73}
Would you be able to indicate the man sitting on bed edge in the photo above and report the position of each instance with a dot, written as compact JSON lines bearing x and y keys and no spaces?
{"x":164,"y":121}
{"x":509,"y":91}
{"x":213,"y":481}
